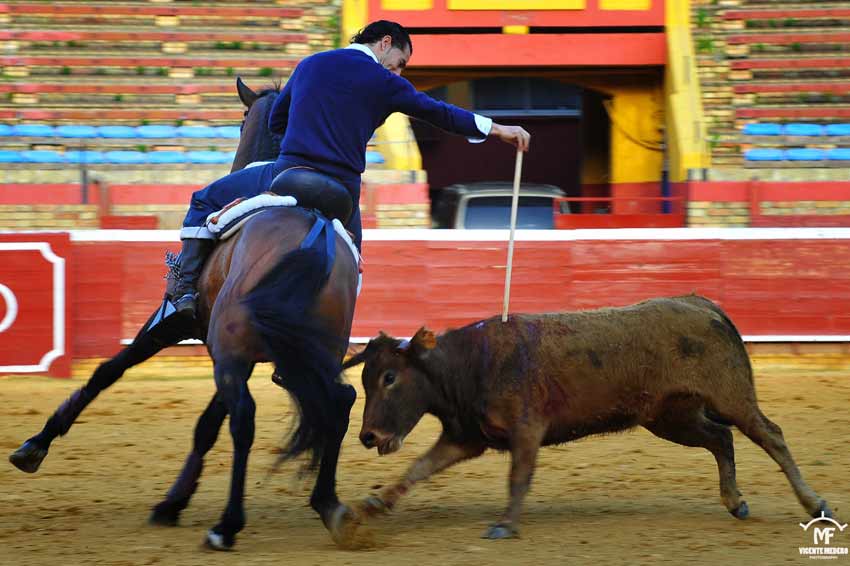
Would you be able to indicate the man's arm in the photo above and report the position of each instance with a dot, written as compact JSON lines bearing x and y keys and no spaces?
{"x":406,"y":99}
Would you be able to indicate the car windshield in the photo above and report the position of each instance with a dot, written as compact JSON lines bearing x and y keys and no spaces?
{"x":495,"y":212}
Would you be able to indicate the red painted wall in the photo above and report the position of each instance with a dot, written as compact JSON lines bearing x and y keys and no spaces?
{"x":36,"y":317}
{"x":770,"y":286}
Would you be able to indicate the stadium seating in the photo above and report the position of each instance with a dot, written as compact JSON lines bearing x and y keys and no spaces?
{"x":775,"y":74}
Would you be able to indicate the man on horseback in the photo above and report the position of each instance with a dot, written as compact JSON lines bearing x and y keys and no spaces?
{"x":327,"y":112}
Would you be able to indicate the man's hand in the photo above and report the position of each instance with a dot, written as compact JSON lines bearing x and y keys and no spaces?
{"x":514,"y":135}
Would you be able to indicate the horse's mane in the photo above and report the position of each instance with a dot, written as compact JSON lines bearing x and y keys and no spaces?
{"x":265,"y":147}
{"x":274,"y":89}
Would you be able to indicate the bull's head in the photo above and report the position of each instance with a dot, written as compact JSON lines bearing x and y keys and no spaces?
{"x":397,"y":388}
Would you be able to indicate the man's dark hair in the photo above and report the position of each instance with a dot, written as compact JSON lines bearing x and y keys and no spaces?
{"x":377,"y":30}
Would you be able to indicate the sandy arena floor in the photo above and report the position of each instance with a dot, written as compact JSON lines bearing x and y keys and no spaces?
{"x":622,"y":499}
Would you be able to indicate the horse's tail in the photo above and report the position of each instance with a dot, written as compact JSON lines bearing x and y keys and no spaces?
{"x":301,"y":349}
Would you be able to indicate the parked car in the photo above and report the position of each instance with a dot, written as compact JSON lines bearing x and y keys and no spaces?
{"x":487,"y":205}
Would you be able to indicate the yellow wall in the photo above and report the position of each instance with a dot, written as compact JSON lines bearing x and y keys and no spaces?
{"x":686,"y":128}
{"x":635,"y":112}
{"x":636,"y":117}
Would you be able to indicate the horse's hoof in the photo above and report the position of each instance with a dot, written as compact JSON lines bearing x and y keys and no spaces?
{"x":216,"y":541}
{"x":500,"y":531}
{"x":742,"y":511}
{"x":344,"y":526}
{"x":28,"y":457}
{"x":373,"y":506}
{"x":823,"y":511}
{"x":163,"y":517}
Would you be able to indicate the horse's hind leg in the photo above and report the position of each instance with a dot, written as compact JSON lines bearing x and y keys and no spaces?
{"x":682,"y":420}
{"x":324,"y":499}
{"x":167,"y":512}
{"x":231,"y":380}
{"x":31,"y":453}
{"x":768,"y":435}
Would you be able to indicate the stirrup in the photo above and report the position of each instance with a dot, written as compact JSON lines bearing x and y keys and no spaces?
{"x":187,"y":303}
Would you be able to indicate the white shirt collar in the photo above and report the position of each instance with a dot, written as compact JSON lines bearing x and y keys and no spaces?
{"x":362,"y":48}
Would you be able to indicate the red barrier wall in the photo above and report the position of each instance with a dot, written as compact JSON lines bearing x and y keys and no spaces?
{"x":35,"y":313}
{"x":772,"y":282}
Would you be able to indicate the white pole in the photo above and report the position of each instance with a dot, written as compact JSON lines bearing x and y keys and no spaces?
{"x":514,"y":206}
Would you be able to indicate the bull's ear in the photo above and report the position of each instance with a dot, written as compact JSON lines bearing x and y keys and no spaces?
{"x":356,"y":359}
{"x":423,"y":342}
{"x":246,"y":95}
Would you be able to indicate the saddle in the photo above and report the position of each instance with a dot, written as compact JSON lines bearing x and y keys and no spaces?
{"x":296,"y":186}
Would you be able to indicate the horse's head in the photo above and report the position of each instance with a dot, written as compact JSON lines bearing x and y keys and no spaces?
{"x":256,"y":142}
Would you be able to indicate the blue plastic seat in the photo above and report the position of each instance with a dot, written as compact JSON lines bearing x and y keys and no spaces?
{"x":197,"y":132}
{"x":764,"y":154}
{"x":33,"y":130}
{"x":208,"y":157}
{"x":6,"y":130}
{"x":164,"y":157}
{"x":85,"y":156}
{"x":42,"y":156}
{"x":803,"y":130}
{"x":8,"y":156}
{"x":374,"y":157}
{"x":157,"y":131}
{"x":838,"y":154}
{"x":805,"y":154}
{"x":229,"y":132}
{"x":768,"y":129}
{"x":837,"y":129}
{"x":117,"y":132}
{"x":125,"y":157}
{"x":76,"y":131}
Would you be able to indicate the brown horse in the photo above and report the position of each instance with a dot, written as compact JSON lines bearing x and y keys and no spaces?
{"x":266,"y":294}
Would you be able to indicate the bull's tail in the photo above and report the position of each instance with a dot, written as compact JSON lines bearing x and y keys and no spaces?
{"x":301,"y":349}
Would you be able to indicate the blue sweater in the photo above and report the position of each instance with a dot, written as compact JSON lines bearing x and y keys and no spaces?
{"x":335,"y":100}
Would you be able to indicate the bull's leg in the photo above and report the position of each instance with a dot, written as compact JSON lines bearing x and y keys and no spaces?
{"x":31,"y":453}
{"x":525,"y":444}
{"x":768,"y":435}
{"x":684,"y":422}
{"x":167,"y":512}
{"x":443,"y":454}
{"x":231,"y":380}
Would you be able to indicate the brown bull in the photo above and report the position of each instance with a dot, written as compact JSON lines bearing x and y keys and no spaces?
{"x":676,"y":366}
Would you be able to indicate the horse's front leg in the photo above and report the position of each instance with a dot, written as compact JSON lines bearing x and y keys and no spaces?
{"x":31,"y":453}
{"x":167,"y":512}
{"x":231,"y":380}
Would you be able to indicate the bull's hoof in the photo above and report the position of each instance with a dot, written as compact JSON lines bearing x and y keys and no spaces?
{"x":500,"y":531}
{"x":823,"y":511}
{"x":373,"y":506}
{"x":163,"y":516}
{"x":344,"y":525}
{"x":28,"y":457}
{"x":218,"y":541}
{"x":742,"y":511}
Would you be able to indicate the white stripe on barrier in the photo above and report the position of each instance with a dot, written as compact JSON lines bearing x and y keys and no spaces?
{"x":412,"y":234}
{"x":778,"y":338}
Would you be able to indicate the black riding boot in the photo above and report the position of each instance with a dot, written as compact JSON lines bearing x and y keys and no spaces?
{"x":192,"y":258}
